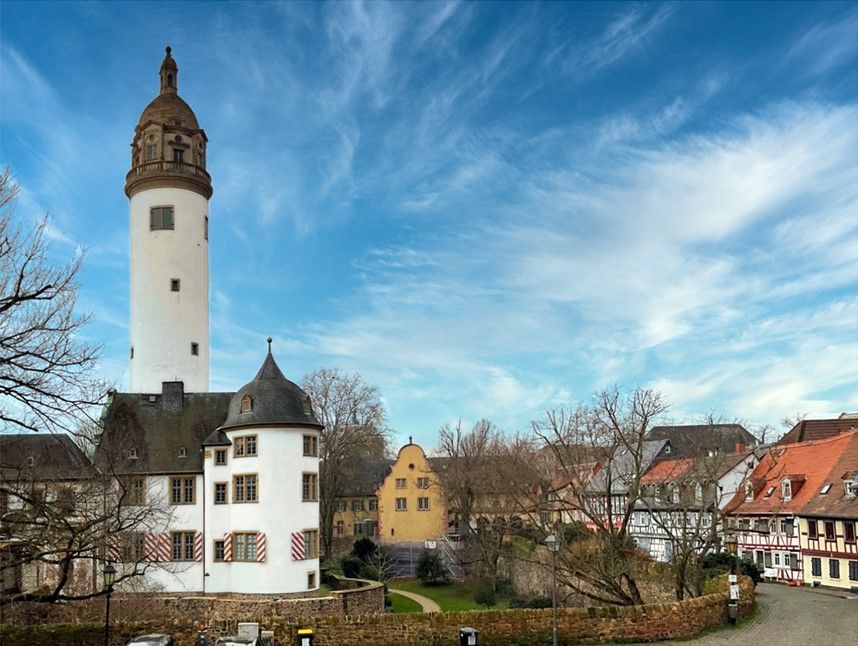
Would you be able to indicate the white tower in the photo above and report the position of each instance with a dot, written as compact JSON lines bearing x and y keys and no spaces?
{"x":169,"y":189}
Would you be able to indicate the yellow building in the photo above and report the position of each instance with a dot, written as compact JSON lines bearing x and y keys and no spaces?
{"x":411,"y":504}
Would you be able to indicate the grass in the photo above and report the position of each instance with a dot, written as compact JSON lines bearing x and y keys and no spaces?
{"x":453,"y":597}
{"x":404,"y":604}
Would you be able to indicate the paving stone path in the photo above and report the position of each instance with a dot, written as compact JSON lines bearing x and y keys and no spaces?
{"x":792,"y":617}
{"x":426,"y":602}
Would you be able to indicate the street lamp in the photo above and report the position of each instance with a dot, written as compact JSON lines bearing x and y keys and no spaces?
{"x":109,"y":577}
{"x":731,"y":544}
{"x":553,"y":546}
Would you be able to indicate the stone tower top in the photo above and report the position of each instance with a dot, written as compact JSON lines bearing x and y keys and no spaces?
{"x":169,"y":147}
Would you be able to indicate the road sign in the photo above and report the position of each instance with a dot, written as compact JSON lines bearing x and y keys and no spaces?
{"x":734,"y":592}
{"x":733,"y":578}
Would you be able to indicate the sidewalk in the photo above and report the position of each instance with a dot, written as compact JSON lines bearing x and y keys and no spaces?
{"x":426,"y":602}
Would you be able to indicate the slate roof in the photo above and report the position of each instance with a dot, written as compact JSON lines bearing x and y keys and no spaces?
{"x":688,"y":440}
{"x":818,"y":429}
{"x":809,"y":465}
{"x":275,"y":401}
{"x":55,"y":457}
{"x":622,"y":466}
{"x":364,"y":477}
{"x":157,"y":427}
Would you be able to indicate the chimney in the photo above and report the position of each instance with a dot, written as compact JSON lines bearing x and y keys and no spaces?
{"x":741,"y":447}
{"x":172,"y":394}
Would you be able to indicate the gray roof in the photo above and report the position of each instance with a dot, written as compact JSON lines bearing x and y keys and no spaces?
{"x":157,"y":427}
{"x":622,"y":466}
{"x":54,"y":457}
{"x":362,"y":477}
{"x":689,"y":440}
{"x":276,"y":401}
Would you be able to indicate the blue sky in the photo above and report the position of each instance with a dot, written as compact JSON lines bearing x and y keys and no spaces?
{"x":485,"y":209}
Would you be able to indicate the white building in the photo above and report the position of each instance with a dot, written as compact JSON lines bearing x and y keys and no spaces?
{"x":237,"y":472}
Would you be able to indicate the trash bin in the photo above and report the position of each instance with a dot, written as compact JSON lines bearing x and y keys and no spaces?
{"x":305,"y":637}
{"x":468,"y":636}
{"x":732,"y":612}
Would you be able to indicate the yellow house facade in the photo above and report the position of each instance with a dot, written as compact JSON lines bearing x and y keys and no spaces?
{"x":830,"y":553}
{"x":411,"y":505}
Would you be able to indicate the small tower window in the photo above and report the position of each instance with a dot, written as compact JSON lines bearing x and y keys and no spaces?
{"x":246,"y":404}
{"x":151,"y":151}
{"x":160,"y":217}
{"x":206,"y":227}
{"x":169,"y":80}
{"x":195,"y":348}
{"x":178,"y":155}
{"x":183,"y":452}
{"x":132,"y":453}
{"x":175,"y":283}
{"x":132,"y":351}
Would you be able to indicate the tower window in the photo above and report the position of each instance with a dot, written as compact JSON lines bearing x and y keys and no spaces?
{"x":169,"y":80}
{"x":195,"y":349}
{"x":246,"y":404}
{"x":160,"y":217}
{"x":174,"y":284}
{"x":132,"y":351}
{"x":151,"y":151}
{"x":206,"y":228}
{"x":178,"y":155}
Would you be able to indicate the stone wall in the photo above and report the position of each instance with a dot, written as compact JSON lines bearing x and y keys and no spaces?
{"x":497,"y":627}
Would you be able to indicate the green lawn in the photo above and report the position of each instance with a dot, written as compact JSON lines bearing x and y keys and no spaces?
{"x":404,"y":604}
{"x":454,"y":596}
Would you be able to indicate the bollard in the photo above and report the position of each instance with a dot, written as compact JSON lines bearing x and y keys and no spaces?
{"x":732,"y":612}
{"x":305,"y":637}
{"x":468,"y":636}
{"x":202,"y":637}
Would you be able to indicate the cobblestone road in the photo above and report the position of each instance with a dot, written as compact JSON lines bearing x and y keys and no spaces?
{"x":792,"y":616}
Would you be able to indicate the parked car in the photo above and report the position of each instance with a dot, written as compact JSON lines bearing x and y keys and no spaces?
{"x":237,"y":641}
{"x":152,"y":640}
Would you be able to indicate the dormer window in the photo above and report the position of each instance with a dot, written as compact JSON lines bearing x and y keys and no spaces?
{"x":31,"y":461}
{"x":246,"y":404}
{"x":825,"y":489}
{"x":674,"y":494}
{"x":183,"y":452}
{"x":749,"y":492}
{"x":132,"y":453}
{"x":786,"y":490}
{"x":851,"y":487}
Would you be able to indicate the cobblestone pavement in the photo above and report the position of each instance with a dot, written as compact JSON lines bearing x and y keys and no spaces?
{"x":792,"y":616}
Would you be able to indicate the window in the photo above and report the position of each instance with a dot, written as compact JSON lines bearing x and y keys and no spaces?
{"x":357,"y":529}
{"x":311,"y":543}
{"x":793,"y":561}
{"x":786,"y":490}
{"x":674,"y":494}
{"x":834,"y":568}
{"x":183,"y":546}
{"x":195,"y":348}
{"x":160,"y":217}
{"x":182,"y":452}
{"x":829,"y":530}
{"x":341,"y":505}
{"x":309,"y":487}
{"x":311,"y":446}
{"x":206,"y":228}
{"x":770,"y":491}
{"x":133,"y":547}
{"x":340,"y":528}
{"x":400,"y":483}
{"x":816,"y":566}
{"x":220,"y":456}
{"x":357,"y":505}
{"x":175,"y":284}
{"x":767,"y":559}
{"x":244,"y":488}
{"x":749,"y":492}
{"x":134,"y":491}
{"x":246,"y":404}
{"x":219,"y":551}
{"x":825,"y":489}
{"x":220,"y":493}
{"x":244,"y":446}
{"x":811,"y":529}
{"x":422,"y":483}
{"x":777,"y":557}
{"x":373,"y":504}
{"x":853,"y":570}
{"x":132,"y":351}
{"x":151,"y":151}
{"x":759,"y":557}
{"x":132,"y":454}
{"x":851,"y":487}
{"x":311,"y":580}
{"x":178,"y":155}
{"x":244,"y":546}
{"x":849,"y":531}
{"x":401,"y":504}
{"x":182,"y":490}
{"x":422,"y":504}
{"x":787,"y":526}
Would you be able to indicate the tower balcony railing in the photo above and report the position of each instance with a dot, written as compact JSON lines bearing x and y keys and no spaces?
{"x":147,"y":173}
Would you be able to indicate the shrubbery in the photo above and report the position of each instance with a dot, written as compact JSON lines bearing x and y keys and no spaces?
{"x":722,"y":563}
{"x":430,"y":569}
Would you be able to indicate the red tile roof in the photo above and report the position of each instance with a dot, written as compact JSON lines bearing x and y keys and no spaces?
{"x":667,"y":471}
{"x":809,"y":465}
{"x":809,"y":430}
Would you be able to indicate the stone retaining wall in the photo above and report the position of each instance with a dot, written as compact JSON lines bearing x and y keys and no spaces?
{"x":497,"y":627}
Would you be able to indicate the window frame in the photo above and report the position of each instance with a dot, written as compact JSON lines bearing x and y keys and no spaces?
{"x":852,"y":566}
{"x":186,"y":545}
{"x":219,"y":543}
{"x":849,"y":531}
{"x":834,"y":569}
{"x":403,"y":506}
{"x":812,"y":529}
{"x":225,"y":486}
{"x":245,"y":405}
{"x":241,"y":446}
{"x":309,"y":487}
{"x":134,"y":485}
{"x":218,"y":453}
{"x":240,"y":546}
{"x":832,"y":535}
{"x":311,"y":451}
{"x":357,"y":505}
{"x":373,"y":504}
{"x":815,"y":566}
{"x":183,"y":490}
{"x":400,"y":483}
{"x":158,"y":223}
{"x":423,"y":503}
{"x":311,"y":543}
{"x":422,"y":482}
{"x":245,"y":498}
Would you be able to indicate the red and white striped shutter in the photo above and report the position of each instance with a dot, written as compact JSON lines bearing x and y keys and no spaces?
{"x":260,"y":547}
{"x":198,"y":546}
{"x":151,"y":546}
{"x":298,"y":551}
{"x":227,"y":546}
{"x":114,"y":547}
{"x":166,"y":548}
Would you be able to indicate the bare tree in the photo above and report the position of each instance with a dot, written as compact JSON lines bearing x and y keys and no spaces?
{"x":46,"y":382}
{"x":355,"y":432}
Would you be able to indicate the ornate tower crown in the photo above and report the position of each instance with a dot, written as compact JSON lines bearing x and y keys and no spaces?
{"x":169,"y":147}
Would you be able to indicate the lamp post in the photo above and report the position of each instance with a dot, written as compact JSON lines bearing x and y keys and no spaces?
{"x":109,"y":574}
{"x":553,"y":546}
{"x":731,"y":544}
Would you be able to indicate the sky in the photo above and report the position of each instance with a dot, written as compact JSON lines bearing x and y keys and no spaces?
{"x":486,"y":210}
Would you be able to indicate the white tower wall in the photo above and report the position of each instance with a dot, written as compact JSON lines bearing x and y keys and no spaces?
{"x":164,"y":323}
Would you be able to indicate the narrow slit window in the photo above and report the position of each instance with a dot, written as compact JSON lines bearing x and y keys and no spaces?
{"x":195,"y":349}
{"x":175,"y":284}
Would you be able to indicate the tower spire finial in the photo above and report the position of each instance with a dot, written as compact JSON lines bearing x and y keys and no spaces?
{"x":269,"y":344}
{"x":169,"y":73}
